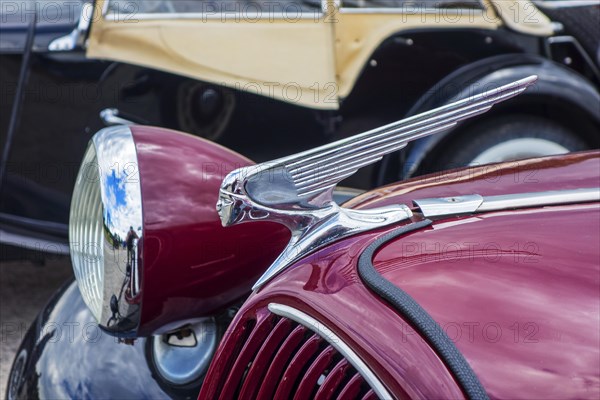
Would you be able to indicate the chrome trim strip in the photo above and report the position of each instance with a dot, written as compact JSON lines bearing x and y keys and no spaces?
{"x":112,"y":16}
{"x":416,"y":11}
{"x":251,"y":16}
{"x":555,"y":197}
{"x":237,"y":17}
{"x":435,"y":207}
{"x":566,"y":3}
{"x":335,"y":341}
{"x":217,"y":16}
{"x":449,"y":205}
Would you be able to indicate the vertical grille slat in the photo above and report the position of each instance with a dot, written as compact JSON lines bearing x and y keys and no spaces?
{"x":313,"y":373}
{"x":221,"y":363}
{"x":296,"y":367}
{"x":259,"y":367}
{"x":333,"y":380}
{"x":256,"y":338}
{"x":352,"y":388}
{"x":286,"y":351}
{"x":267,"y":355}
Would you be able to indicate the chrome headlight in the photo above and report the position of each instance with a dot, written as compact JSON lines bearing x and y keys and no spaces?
{"x":182,"y":265}
{"x":106,"y":230}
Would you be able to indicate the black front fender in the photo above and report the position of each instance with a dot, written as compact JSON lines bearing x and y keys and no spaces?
{"x":65,"y":355}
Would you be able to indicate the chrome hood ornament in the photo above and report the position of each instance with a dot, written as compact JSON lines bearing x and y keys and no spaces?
{"x":296,"y":191}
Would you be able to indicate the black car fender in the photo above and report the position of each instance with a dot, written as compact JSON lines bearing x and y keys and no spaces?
{"x":556,"y":85}
{"x":65,"y":355}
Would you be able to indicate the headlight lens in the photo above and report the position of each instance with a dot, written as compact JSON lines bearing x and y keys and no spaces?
{"x":85,"y":234}
{"x":105,"y":230}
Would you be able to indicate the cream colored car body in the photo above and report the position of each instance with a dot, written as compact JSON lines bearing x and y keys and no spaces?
{"x":313,"y":59}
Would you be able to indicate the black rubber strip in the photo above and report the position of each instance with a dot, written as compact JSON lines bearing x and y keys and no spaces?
{"x":417,"y":316}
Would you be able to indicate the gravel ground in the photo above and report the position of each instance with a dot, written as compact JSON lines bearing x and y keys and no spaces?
{"x":24,"y":289}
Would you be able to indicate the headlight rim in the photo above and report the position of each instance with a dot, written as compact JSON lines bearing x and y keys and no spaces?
{"x":112,"y":156}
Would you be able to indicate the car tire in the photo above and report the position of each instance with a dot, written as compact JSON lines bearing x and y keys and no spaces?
{"x":507,"y":138}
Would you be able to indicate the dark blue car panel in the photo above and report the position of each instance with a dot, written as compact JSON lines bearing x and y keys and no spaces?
{"x":68,"y":357}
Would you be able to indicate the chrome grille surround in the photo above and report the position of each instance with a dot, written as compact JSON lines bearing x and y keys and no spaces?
{"x":336,"y":342}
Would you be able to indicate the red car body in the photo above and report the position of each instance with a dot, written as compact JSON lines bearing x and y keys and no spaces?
{"x":190,"y":266}
{"x":516,"y":291}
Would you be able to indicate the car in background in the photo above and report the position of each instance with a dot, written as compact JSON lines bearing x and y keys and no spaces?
{"x":269,"y":79}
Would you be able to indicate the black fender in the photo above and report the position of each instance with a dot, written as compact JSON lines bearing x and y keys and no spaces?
{"x":66,"y":355}
{"x":556,"y":85}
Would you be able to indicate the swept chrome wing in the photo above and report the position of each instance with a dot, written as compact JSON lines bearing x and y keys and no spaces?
{"x":320,"y":169}
{"x":296,"y":191}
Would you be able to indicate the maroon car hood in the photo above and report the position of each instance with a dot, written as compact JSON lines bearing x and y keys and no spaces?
{"x":517,"y":292}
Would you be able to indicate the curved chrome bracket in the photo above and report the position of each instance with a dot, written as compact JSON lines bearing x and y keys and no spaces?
{"x":311,"y":229}
{"x":336,"y":224}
